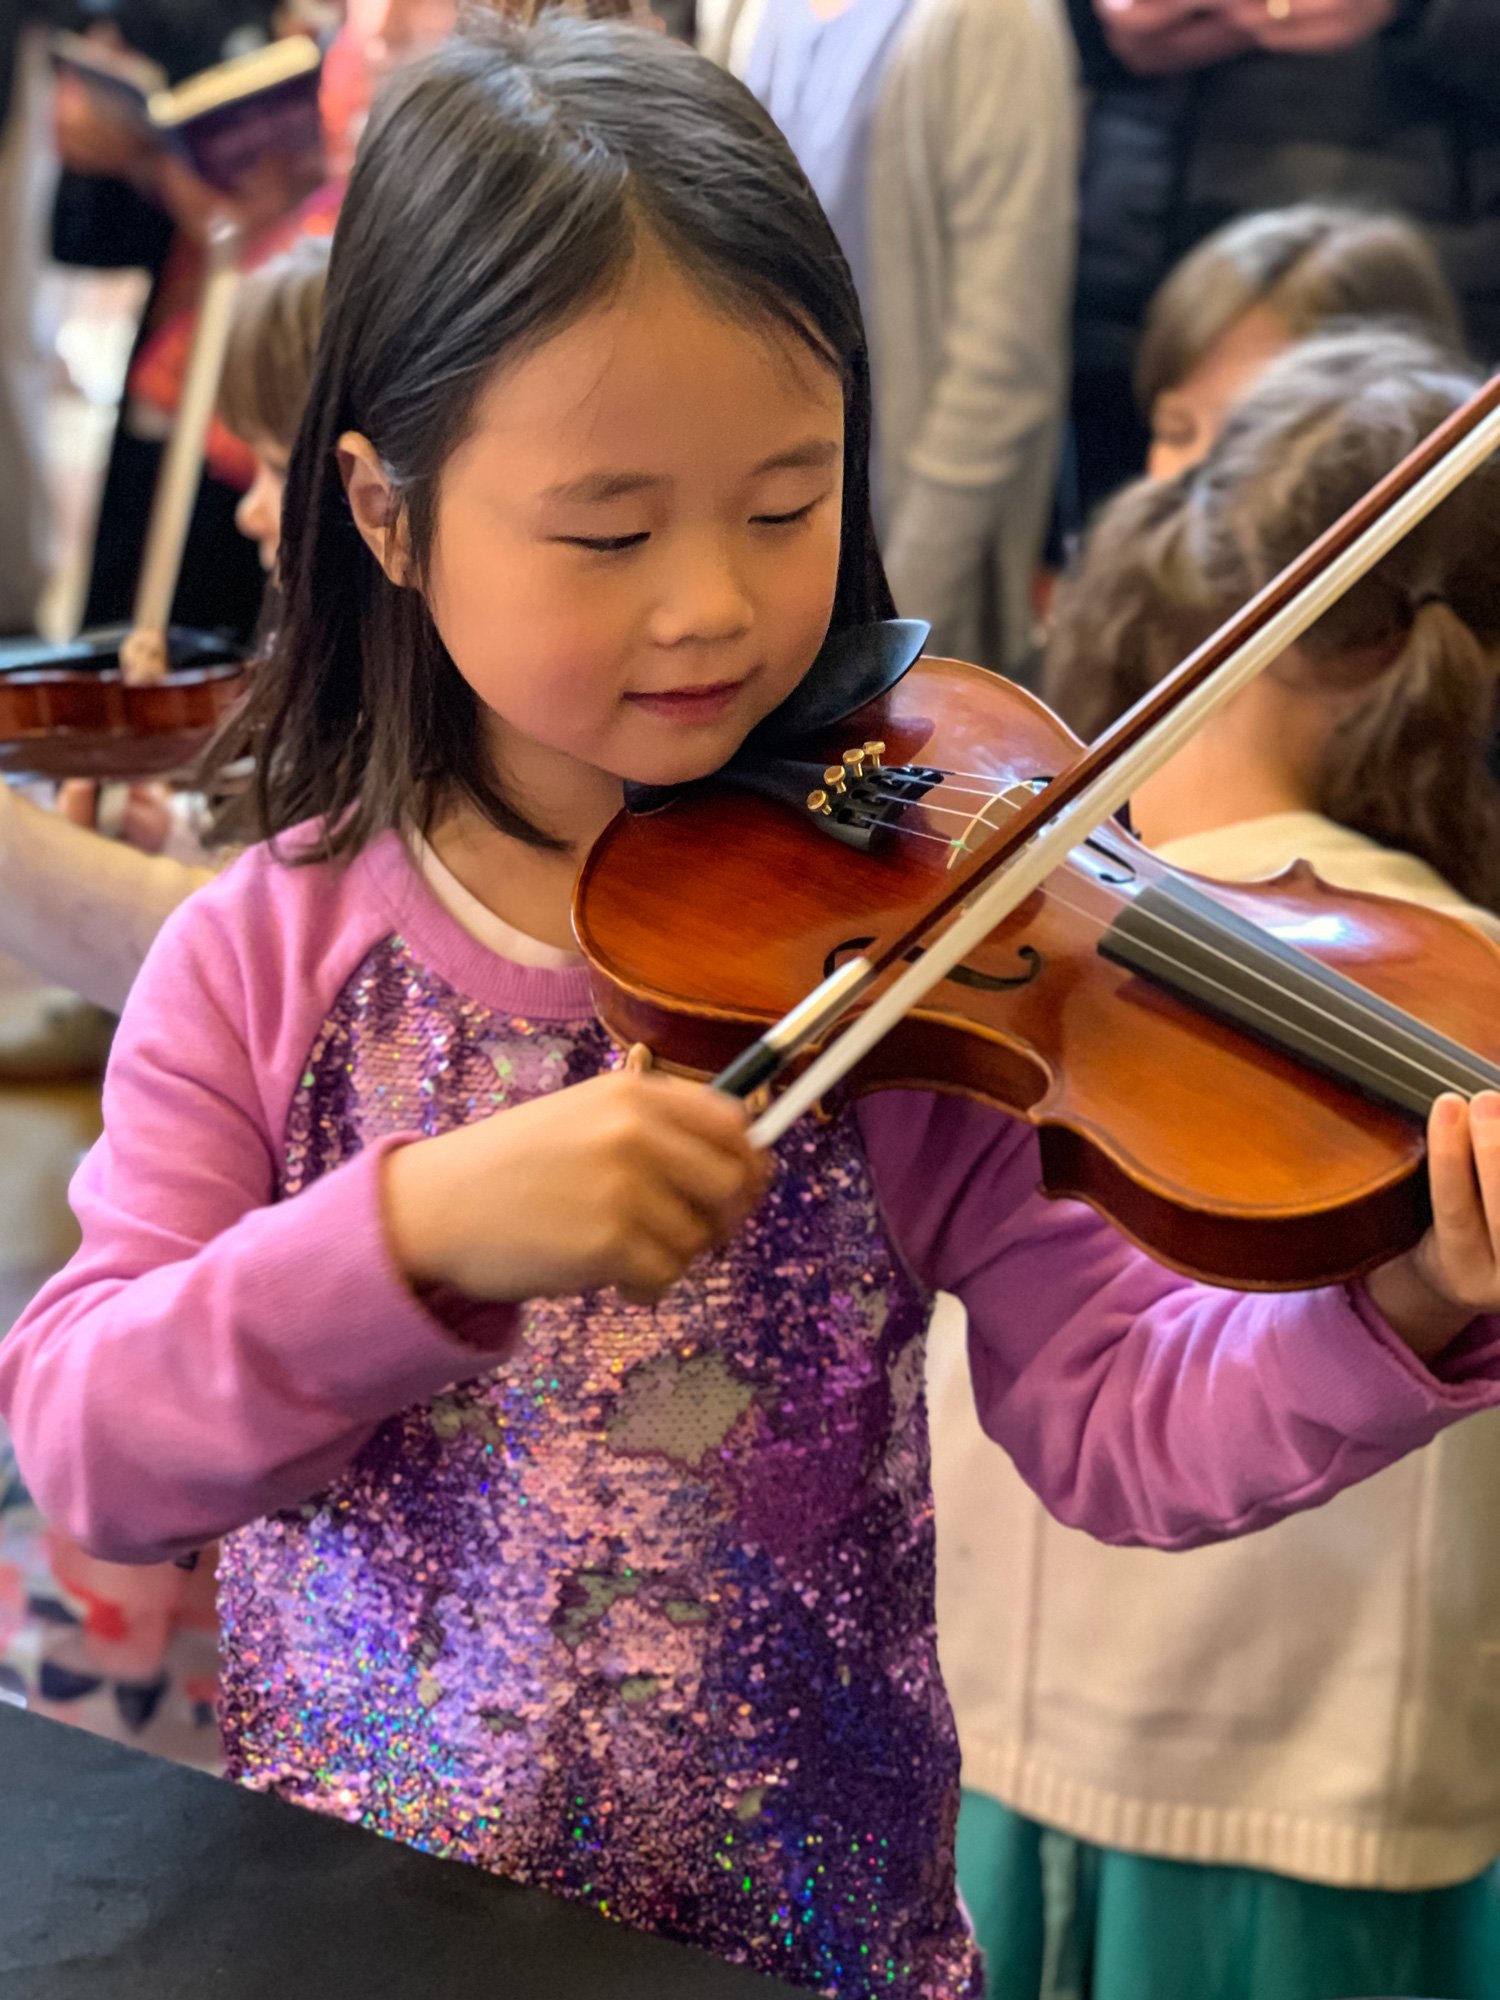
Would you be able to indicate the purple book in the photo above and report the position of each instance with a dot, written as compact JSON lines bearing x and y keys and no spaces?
{"x":226,"y":122}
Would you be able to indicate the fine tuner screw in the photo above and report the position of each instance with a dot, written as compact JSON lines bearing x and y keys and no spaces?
{"x":835,"y":778}
{"x":874,"y":752}
{"x":817,"y":802}
{"x":854,"y":763}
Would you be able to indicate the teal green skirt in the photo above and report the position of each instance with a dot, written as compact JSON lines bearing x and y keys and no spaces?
{"x":1059,"y":1919}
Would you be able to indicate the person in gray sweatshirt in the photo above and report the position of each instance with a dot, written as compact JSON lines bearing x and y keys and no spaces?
{"x":941,"y":138}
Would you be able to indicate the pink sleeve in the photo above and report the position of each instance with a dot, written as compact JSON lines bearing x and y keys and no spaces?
{"x":210,"y":1354}
{"x":1138,"y":1405}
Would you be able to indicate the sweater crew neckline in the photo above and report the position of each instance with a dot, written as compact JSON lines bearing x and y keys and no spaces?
{"x":535,"y":992}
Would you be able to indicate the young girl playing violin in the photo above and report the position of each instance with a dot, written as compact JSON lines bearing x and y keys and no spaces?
{"x":1268,"y":1771}
{"x":572,"y":1458}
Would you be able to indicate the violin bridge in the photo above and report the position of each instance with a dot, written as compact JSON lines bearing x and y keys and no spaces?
{"x":1010,"y":800}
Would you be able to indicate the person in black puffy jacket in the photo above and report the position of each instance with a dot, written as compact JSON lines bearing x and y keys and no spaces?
{"x":1202,"y":110}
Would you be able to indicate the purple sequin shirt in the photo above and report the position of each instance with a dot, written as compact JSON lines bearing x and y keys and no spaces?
{"x":644,"y":1615}
{"x":632,"y":1604}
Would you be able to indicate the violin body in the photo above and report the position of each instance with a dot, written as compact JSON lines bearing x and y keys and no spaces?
{"x":66,"y":710}
{"x":1223,"y":1156}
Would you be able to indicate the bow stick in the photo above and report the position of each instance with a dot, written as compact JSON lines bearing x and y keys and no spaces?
{"x":143,"y":655}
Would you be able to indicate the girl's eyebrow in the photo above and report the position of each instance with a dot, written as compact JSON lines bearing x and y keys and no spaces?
{"x":594,"y":487}
{"x":812,"y":453}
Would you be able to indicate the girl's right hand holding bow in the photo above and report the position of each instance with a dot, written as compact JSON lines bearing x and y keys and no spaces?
{"x":623,"y":1181}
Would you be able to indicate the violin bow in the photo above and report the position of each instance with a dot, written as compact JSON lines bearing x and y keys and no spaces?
{"x":143,"y":656}
{"x":988,"y":886}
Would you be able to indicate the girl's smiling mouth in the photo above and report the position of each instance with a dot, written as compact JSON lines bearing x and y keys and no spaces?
{"x":703,"y":702}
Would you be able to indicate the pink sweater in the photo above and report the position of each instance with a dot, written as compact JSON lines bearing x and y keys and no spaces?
{"x":603,"y":1593}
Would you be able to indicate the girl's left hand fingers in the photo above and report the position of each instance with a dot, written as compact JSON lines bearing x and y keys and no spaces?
{"x":1484,"y":1133}
{"x":1465,"y":1212}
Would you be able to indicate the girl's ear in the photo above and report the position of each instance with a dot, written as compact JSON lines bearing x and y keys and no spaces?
{"x":375,"y":506}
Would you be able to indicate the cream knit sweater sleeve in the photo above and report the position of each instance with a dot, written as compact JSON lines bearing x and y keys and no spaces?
{"x":80,"y":910}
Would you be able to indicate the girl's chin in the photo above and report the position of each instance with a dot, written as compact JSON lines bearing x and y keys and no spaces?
{"x":688,"y":754}
{"x":680,"y":770}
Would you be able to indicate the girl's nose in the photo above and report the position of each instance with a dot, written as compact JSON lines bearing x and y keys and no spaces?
{"x":705,"y":601}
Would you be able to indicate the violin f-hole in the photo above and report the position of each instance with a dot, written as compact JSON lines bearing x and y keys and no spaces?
{"x":961,"y":975}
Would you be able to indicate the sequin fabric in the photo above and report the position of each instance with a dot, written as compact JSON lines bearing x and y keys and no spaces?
{"x":644,"y":1616}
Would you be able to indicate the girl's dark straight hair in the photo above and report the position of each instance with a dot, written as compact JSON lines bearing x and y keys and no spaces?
{"x":501,"y":188}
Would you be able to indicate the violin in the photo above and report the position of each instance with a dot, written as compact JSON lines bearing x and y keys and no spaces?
{"x":1237,"y":1076}
{"x":140,"y":700}
{"x":69,"y":711}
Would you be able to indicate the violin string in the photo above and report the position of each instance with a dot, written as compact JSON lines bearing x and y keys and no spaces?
{"x":948,"y":812}
{"x":1431,"y":1075}
{"x":1385,"y":1048}
{"x":973,"y":820}
{"x":967,"y":791}
{"x":947,"y":841}
{"x":1164,"y":925}
{"x":963,"y":791}
{"x":1090,"y":917}
{"x":983,"y":777}
{"x":916,"y":832}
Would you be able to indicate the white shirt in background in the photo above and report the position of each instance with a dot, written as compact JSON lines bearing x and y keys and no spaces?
{"x":1322,"y":1699}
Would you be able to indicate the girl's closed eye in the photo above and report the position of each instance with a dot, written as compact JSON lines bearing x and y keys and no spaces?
{"x":608,"y":545}
{"x":793,"y":517}
{"x":621,"y":544}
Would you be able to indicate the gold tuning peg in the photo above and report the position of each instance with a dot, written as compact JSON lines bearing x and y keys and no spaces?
{"x":854,"y":763}
{"x":817,"y":802}
{"x":835,"y":778}
{"x":874,"y":752}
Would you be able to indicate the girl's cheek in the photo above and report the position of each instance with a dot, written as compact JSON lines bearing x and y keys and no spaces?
{"x":817,"y":576}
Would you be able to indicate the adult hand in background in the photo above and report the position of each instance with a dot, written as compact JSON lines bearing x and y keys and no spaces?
{"x":271,"y":190}
{"x":1163,"y":37}
{"x":1310,"y":27}
{"x":142,"y":818}
{"x":91,"y":139}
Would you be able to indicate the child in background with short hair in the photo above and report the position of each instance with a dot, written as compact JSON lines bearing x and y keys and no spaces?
{"x":1266,"y":1771}
{"x":267,"y":368}
{"x":1258,"y":285}
{"x":571,"y":1456}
